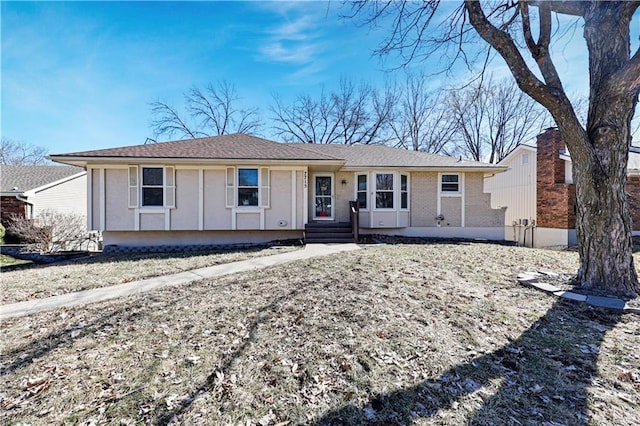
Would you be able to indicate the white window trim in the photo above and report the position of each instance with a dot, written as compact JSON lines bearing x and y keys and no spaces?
{"x":238,"y":187}
{"x":143,"y":186}
{"x":395,"y":191}
{"x":264,"y":189}
{"x":366,"y":191}
{"x":400,"y":191}
{"x":442,"y":193}
{"x":333,"y":196}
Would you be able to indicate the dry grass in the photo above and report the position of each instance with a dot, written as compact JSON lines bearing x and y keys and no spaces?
{"x":38,"y":281}
{"x":424,"y":334}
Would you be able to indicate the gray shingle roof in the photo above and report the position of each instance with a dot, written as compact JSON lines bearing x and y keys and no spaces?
{"x":385,"y":156}
{"x":226,"y":147}
{"x":18,"y":179}
{"x":244,"y":147}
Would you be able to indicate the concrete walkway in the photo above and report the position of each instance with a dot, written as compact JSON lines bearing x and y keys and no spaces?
{"x":534,"y":279}
{"x":135,"y":287}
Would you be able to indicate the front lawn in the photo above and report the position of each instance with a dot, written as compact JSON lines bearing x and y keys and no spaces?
{"x":404,"y":334}
{"x":38,"y":281}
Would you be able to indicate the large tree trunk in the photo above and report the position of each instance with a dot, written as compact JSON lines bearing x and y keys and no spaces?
{"x":599,"y":152}
{"x":603,"y":221}
{"x":600,"y":157}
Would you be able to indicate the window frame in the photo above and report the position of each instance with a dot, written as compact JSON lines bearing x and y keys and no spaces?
{"x":447,"y":192}
{"x":365,"y":191}
{"x":144,"y":186}
{"x":404,"y":191}
{"x":392,"y":191}
{"x":255,"y":187}
{"x":136,"y":187}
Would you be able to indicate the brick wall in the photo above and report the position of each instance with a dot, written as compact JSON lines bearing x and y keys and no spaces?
{"x":10,"y":206}
{"x":633,"y":189}
{"x":478,"y":211}
{"x":555,"y":199}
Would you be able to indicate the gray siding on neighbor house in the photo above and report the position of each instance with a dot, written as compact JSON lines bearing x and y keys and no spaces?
{"x":66,"y":197}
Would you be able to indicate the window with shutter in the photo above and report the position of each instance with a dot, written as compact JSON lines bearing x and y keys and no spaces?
{"x":170,"y":187}
{"x":133,"y":187}
{"x":230,"y":187}
{"x":264,"y":187}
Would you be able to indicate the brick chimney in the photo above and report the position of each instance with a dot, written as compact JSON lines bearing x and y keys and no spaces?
{"x":556,"y":199}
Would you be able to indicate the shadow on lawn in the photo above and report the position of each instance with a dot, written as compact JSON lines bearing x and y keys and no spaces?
{"x":543,"y":376}
{"x":24,"y":355}
{"x":163,"y":417}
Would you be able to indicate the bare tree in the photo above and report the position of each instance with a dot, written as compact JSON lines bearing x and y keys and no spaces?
{"x":352,"y":114}
{"x":493,"y":117}
{"x":51,"y":231}
{"x":421,"y":120}
{"x":469,"y":113}
{"x":21,"y":153}
{"x":517,"y":30}
{"x":212,"y":111}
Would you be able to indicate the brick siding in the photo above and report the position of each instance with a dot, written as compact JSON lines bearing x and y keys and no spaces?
{"x":556,"y":200}
{"x":633,"y":190}
{"x":11,"y":206}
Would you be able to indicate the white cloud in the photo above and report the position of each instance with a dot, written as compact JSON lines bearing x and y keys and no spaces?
{"x":294,"y":41}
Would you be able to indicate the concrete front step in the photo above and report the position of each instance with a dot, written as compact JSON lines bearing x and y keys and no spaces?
{"x":325,"y":240}
{"x":328,"y":232}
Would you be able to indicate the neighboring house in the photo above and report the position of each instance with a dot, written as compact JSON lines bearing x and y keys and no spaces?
{"x":539,"y":193}
{"x":243,"y":189}
{"x":26,"y":191}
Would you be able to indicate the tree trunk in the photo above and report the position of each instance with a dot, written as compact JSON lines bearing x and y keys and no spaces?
{"x":599,"y":152}
{"x":603,"y":223}
{"x":600,"y":157}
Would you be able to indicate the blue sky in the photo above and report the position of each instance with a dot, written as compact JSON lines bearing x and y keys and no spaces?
{"x":79,"y":76}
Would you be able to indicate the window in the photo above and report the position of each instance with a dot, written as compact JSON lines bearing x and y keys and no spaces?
{"x":451,"y":183}
{"x":248,"y":189}
{"x":152,"y":186}
{"x":404,"y":192}
{"x":384,"y":190}
{"x":525,"y":158}
{"x":362,"y":191}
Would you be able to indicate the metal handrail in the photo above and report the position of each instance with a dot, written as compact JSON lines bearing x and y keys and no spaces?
{"x":355,"y":219}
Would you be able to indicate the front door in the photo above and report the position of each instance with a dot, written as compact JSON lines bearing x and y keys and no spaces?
{"x":323,"y":197}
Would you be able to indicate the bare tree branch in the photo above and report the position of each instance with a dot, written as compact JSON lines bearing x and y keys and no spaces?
{"x":168,"y":122}
{"x":352,"y":114}
{"x":21,"y":153}
{"x":215,"y":110}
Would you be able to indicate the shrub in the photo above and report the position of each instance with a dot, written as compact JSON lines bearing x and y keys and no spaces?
{"x":2,"y":232}
{"x":51,"y":231}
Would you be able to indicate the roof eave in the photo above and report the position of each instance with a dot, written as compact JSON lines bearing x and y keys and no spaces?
{"x":488,"y":169}
{"x":57,"y":182}
{"x":84,"y":161}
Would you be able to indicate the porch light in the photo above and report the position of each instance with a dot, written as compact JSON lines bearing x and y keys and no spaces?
{"x":343,"y":182}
